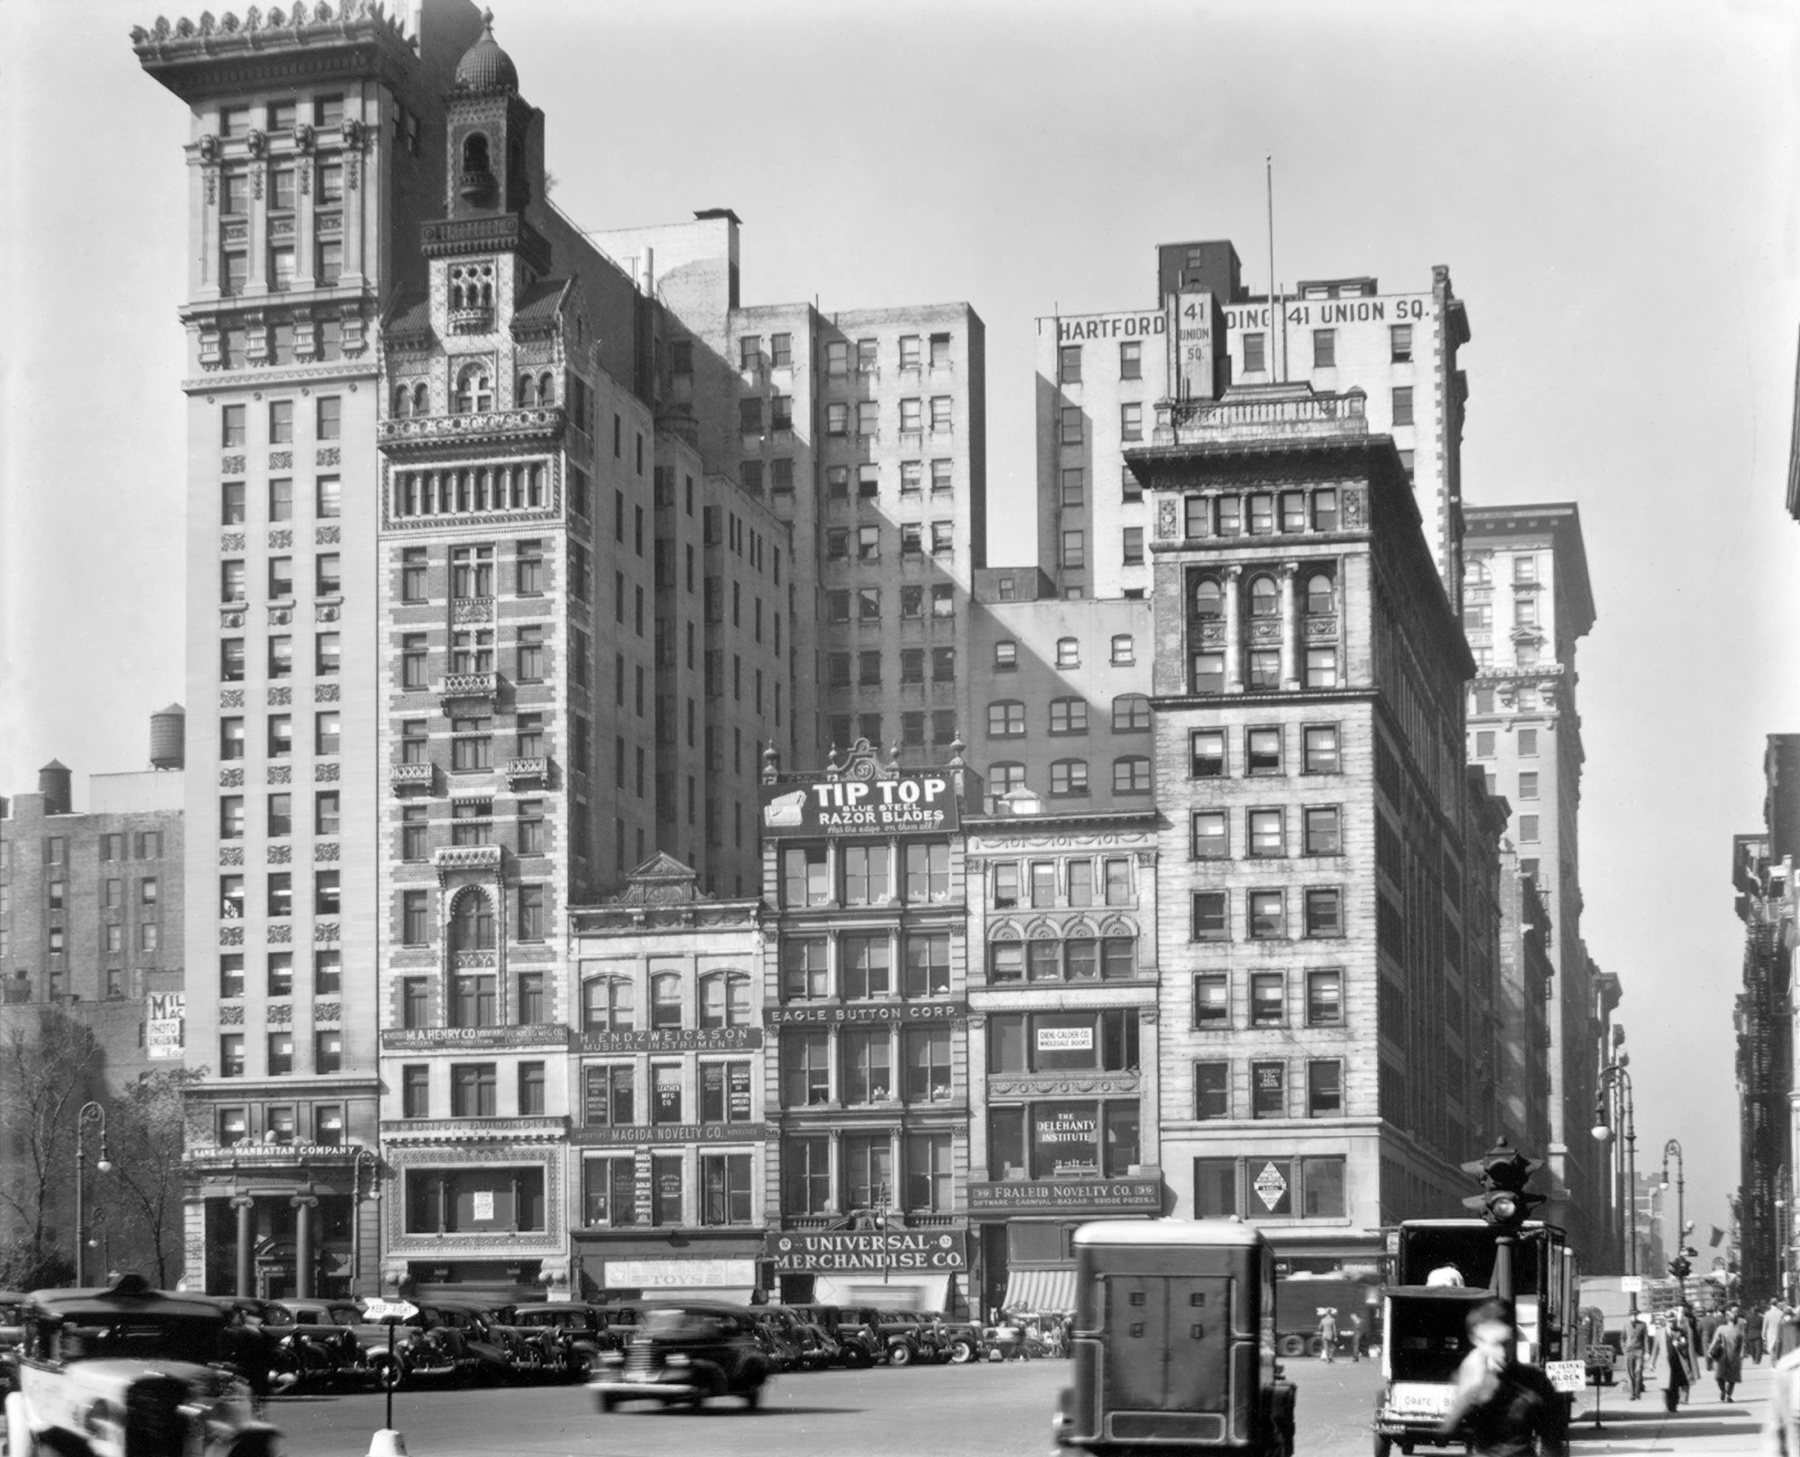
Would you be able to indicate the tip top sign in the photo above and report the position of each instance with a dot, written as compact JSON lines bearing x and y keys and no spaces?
{"x":907,"y":804}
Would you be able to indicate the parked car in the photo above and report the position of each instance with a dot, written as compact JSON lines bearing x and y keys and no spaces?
{"x":967,"y":1341}
{"x":775,"y":1335}
{"x":125,"y":1370}
{"x":858,"y":1340}
{"x":580,"y":1329}
{"x":12,"y":1333}
{"x":684,"y":1354}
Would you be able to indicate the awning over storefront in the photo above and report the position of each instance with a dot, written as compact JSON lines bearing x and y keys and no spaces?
{"x":1040,"y":1292}
{"x":897,"y":1292}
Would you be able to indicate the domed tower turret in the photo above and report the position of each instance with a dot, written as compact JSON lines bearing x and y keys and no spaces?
{"x":489,"y":129}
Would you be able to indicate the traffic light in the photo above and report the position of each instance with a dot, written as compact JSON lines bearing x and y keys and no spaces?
{"x":1504,"y":1172}
{"x":1680,"y":1264}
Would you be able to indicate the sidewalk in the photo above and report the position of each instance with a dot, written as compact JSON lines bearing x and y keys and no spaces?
{"x":1703,"y":1425}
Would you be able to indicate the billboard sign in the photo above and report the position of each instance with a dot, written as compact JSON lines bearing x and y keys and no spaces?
{"x":907,"y":804}
{"x":819,"y":1252}
{"x":164,"y":1031}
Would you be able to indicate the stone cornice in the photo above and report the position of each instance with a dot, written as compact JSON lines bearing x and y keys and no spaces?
{"x":284,"y":375}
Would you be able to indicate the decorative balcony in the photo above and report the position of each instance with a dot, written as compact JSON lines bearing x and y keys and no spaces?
{"x":465,"y":857}
{"x":476,"y":320}
{"x":520,"y":772}
{"x":412,"y":776}
{"x":469,"y":687}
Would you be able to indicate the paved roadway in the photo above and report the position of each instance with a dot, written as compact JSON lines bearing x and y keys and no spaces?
{"x":930,"y":1411}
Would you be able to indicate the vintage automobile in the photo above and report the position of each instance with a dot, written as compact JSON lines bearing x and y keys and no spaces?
{"x":127,"y":1371}
{"x":12,"y":1332}
{"x":682,"y":1354}
{"x":858,"y":1340}
{"x":580,"y":1330}
{"x":325,"y":1332}
{"x":1174,"y":1341}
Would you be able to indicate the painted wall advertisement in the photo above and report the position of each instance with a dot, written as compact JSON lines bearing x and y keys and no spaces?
{"x":164,"y":1031}
{"x":908,"y":804}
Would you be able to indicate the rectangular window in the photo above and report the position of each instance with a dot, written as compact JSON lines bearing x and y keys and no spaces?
{"x":1324,"y":913}
{"x":1268,"y":915}
{"x":1212,"y":1002}
{"x":1400,"y":343}
{"x":1074,"y":480}
{"x":725,"y":1179}
{"x":927,"y":873}
{"x":1131,"y":422}
{"x":1268,"y":999}
{"x":473,"y":1088}
{"x":1320,"y":749}
{"x":415,"y":1091}
{"x":1131,"y":360}
{"x":1528,"y":829}
{"x":805,"y":1069}
{"x":531,"y":1088}
{"x":281,"y":815}
{"x":1254,"y":360}
{"x":414,"y":918}
{"x":805,"y":1174}
{"x":1528,"y":743}
{"x":1263,"y":751}
{"x":1074,"y":550}
{"x":1206,"y":753}
{"x":1403,"y":405}
{"x":1212,"y":1090}
{"x":1324,"y":999}
{"x":1324,"y":1089}
{"x":281,"y":1054}
{"x":1069,"y":364}
{"x":231,"y":1055}
{"x":231,"y":974}
{"x":1134,"y":547}
{"x":610,"y":1097}
{"x":868,"y":1078}
{"x":1324,"y":348}
{"x":865,"y":966}
{"x":1267,"y":833}
{"x":281,"y":893}
{"x":328,"y":1052}
{"x":927,"y":968}
{"x":1322,"y":831}
{"x":1209,"y":923}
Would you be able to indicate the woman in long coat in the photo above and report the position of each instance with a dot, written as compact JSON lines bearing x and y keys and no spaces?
{"x":1726,"y":1352}
{"x":1671,"y":1357}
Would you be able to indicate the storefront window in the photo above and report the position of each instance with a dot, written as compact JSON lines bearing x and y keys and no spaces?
{"x":474,"y":1200}
{"x":1065,"y":1140}
{"x":665,"y":1183}
{"x":1215,"y":1188}
{"x":609,"y":1191}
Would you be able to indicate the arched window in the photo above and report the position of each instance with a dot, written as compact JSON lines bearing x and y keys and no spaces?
{"x":402,"y":402}
{"x":1003,"y":778}
{"x":1320,"y":601}
{"x":546,"y":389}
{"x":1006,"y":719}
{"x":1131,"y":774}
{"x":474,"y":390}
{"x":1265,"y":599}
{"x":1209,"y":598}
{"x":1131,"y":713}
{"x":421,"y":399}
{"x":1068,"y":716}
{"x":1068,"y":652}
{"x":607,"y":1004}
{"x":725,"y":999}
{"x":527,"y":392}
{"x":472,"y":923}
{"x":475,"y":153}
{"x":665,"y":1000}
{"x":1043,"y":956}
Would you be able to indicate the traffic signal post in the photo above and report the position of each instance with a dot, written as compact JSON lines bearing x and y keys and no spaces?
{"x":1505,"y":1203}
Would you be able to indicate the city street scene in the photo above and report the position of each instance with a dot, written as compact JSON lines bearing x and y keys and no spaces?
{"x":980,"y":729}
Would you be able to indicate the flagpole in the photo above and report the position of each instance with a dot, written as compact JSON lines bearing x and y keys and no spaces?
{"x":1275,"y":309}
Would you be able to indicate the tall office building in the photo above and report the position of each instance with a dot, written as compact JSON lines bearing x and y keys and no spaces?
{"x":1308,"y":673}
{"x":315,"y":152}
{"x":1526,"y":604}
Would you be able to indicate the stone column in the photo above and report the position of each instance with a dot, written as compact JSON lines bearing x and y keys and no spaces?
{"x":1234,"y":636}
{"x":245,"y":1206}
{"x":1290,"y":617}
{"x":303,"y":1204}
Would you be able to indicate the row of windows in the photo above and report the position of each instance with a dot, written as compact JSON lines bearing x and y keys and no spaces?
{"x":1064,"y":1140}
{"x":1265,"y":833}
{"x":279,"y":901}
{"x":609,"y":1094}
{"x":327,"y":1054}
{"x":472,"y":822}
{"x":1131,"y":361}
{"x":233,"y":656}
{"x":146,"y":845}
{"x":1261,"y":513}
{"x":1264,"y":751}
{"x":1069,"y":777}
{"x":325,"y":111}
{"x":112,"y":893}
{"x":1065,"y":959}
{"x":278,"y":973}
{"x":865,"y":874}
{"x":867,"y":543}
{"x":1006,"y":716}
{"x":1480,"y":615}
{"x":839,"y":419}
{"x":868,"y":604}
{"x":1267,"y":996}
{"x":327,"y":500}
{"x":1072,"y":423}
{"x":1072,"y":882}
{"x":1123,"y":653}
{"x":281,"y":271}
{"x":474,"y":1088}
{"x":610,"y":1192}
{"x":1525,"y":743}
{"x":328,"y":578}
{"x":868,"y":355}
{"x":860,"y":967}
{"x":1324,"y":348}
{"x":278,"y":819}
{"x":1074,"y":494}
{"x":843,"y":728}
{"x":149,"y":938}
{"x":1280,"y":1187}
{"x":328,"y":421}
{"x":868,"y":478}
{"x":868,"y":666}
{"x":861,"y":1067}
{"x":1478,"y":571}
{"x":472,"y":925}
{"x":282,"y":1125}
{"x":1266,"y":914}
{"x":865,"y":1173}
{"x":1322,"y":1093}
{"x":278,"y":735}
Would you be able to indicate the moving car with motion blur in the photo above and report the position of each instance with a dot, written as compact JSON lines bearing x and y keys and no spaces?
{"x":1174,"y":1341}
{"x":127,"y":1371}
{"x":683,"y":1355}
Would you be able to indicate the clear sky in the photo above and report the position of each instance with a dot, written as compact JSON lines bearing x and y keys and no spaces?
{"x":1613,"y":187}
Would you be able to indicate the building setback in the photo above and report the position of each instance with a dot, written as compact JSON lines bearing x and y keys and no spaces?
{"x":1315,"y":1014}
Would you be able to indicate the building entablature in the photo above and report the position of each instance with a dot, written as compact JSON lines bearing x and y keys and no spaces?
{"x":1042,"y":997}
{"x":247,"y":1158}
{"x":414,"y":436}
{"x":545,"y":1037}
{"x":425,"y":1133}
{"x":197,"y":59}
{"x":502,"y":233}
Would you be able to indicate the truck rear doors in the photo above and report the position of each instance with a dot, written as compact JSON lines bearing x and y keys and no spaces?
{"x":1168,"y":1339}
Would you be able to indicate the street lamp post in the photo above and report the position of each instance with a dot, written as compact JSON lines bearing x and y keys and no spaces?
{"x":1615,"y":1078}
{"x":90,"y":1113}
{"x":1679,"y":1263}
{"x":364,"y":1155}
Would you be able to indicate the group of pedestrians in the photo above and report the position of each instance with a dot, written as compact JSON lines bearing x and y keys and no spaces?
{"x":1332,"y":1331}
{"x":1665,"y":1350}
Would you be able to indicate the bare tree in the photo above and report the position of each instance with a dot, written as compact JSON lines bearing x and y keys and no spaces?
{"x":148,"y":1135}
{"x":48,"y":1068}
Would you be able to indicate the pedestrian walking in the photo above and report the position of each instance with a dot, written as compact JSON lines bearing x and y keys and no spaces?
{"x":1726,"y":1352}
{"x":1503,"y":1407}
{"x":1753,"y":1333}
{"x":1670,"y":1358}
{"x":1356,"y":1336}
{"x":1771,"y":1331}
{"x":1781,"y":1424}
{"x":1636,"y":1339}
{"x":1328,"y":1334}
